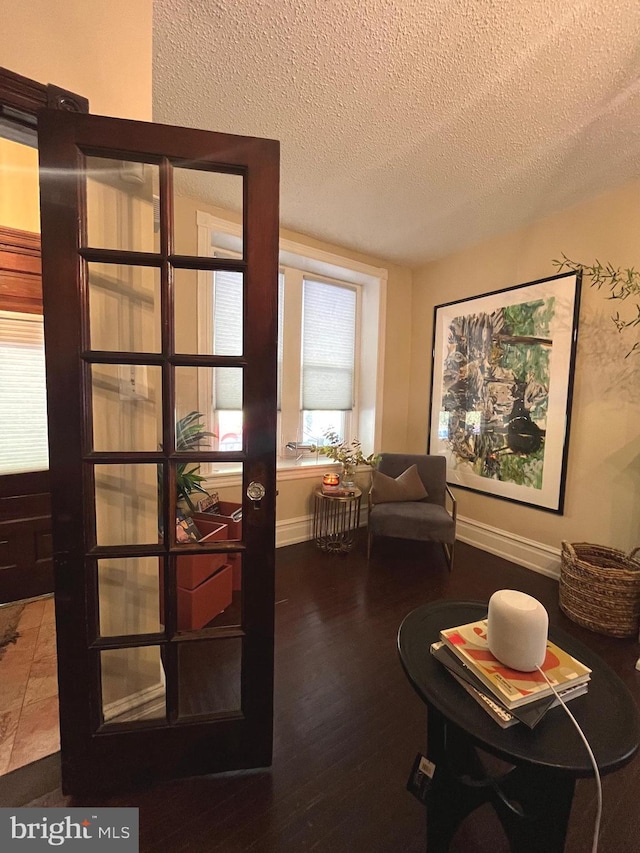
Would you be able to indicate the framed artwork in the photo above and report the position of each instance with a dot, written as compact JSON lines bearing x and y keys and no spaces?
{"x":502,"y":379}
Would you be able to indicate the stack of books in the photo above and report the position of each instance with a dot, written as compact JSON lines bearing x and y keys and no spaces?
{"x":338,"y":491}
{"x":509,"y":696}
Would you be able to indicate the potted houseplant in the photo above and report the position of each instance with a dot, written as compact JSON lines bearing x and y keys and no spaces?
{"x":190,"y":435}
{"x":348,"y":454}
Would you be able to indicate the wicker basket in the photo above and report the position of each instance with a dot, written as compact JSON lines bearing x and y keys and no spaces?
{"x":600,"y":588}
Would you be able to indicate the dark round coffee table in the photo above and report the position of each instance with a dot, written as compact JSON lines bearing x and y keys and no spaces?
{"x":533,"y":798}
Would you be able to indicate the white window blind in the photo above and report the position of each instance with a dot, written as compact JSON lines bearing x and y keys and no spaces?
{"x":227,"y":332}
{"x":328,"y":346}
{"x":280,"y":336}
{"x":23,"y":398}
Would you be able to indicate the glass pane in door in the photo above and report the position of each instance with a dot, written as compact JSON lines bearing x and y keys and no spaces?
{"x":213,"y":189}
{"x":209,"y":677}
{"x":122,"y":205}
{"x":124,"y":307}
{"x":133,"y":685}
{"x":208,"y":310}
{"x":127,"y":504}
{"x":215,"y":393}
{"x":129,"y":596}
{"x":127,"y":407}
{"x":209,"y":586}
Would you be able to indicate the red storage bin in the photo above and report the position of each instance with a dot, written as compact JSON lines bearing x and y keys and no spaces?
{"x":193,"y":569}
{"x":205,"y":521}
{"x":234,"y":528}
{"x":197,"y":607}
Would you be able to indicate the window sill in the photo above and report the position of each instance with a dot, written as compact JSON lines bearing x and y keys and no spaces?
{"x":302,"y":469}
{"x":287,"y":469}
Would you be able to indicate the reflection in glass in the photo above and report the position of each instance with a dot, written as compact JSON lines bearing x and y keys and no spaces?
{"x":127,"y":406}
{"x":126,"y":501}
{"x":129,"y":596}
{"x":124,"y":308}
{"x":133,"y":685}
{"x":214,"y":188}
{"x":120,"y":205}
{"x":209,"y":677}
{"x":208,"y":312}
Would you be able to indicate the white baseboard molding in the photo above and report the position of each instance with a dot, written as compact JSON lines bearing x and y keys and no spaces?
{"x":294,"y":530}
{"x":136,"y":705}
{"x":524,"y":552}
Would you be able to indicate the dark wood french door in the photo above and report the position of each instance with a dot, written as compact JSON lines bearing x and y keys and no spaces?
{"x":165,"y":648}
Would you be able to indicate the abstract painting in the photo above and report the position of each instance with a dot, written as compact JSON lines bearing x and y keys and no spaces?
{"x":502,"y":378}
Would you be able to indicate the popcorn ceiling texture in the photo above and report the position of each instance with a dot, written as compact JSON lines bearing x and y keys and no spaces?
{"x":412,"y":128}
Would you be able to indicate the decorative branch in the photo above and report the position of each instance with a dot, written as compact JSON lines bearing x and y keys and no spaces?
{"x":340,"y":451}
{"x":621,"y":283}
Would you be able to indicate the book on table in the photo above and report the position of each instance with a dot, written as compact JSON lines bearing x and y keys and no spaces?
{"x":500,"y":715}
{"x":511,"y":686}
{"x":530,"y":714}
{"x":338,"y":491}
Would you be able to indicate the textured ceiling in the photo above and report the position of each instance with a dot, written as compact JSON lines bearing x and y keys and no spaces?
{"x":412,"y":128}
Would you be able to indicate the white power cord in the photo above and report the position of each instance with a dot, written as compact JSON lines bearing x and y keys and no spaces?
{"x":596,"y":831}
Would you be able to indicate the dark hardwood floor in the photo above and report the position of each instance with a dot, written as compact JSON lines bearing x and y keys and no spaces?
{"x":348,"y":725}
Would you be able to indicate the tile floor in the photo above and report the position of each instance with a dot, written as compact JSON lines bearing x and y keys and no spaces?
{"x":29,"y":689}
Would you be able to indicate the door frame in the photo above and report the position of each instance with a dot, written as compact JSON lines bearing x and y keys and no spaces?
{"x":20,"y":100}
{"x":24,"y":498}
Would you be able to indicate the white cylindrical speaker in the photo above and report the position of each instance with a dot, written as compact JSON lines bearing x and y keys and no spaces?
{"x":517,"y":628}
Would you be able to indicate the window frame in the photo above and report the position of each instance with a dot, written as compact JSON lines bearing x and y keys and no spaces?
{"x":351,"y":416}
{"x":216,"y":234}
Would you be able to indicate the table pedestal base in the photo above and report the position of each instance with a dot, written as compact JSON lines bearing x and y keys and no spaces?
{"x":533,"y":804}
{"x":336,"y":521}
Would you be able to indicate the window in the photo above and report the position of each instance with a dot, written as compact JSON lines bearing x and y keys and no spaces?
{"x":224,"y":318}
{"x":329,"y":344}
{"x":318,"y":371}
{"x":327,"y":380}
{"x":227,"y":340}
{"x":23,"y":399}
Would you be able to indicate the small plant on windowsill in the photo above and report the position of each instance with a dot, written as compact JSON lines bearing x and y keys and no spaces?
{"x":348,"y":454}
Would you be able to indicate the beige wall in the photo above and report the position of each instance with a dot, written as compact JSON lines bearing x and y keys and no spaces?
{"x":602,"y":501}
{"x":19,"y":202}
{"x":99,"y":50}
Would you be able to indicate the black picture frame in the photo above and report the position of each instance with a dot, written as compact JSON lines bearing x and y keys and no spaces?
{"x":501,"y":389}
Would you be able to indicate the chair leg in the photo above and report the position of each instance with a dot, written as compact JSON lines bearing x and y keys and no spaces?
{"x":448,"y":552}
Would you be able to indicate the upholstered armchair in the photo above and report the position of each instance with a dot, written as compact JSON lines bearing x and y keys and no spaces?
{"x":408,"y":500}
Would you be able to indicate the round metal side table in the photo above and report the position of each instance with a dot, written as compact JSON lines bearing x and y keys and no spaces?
{"x":336,"y":520}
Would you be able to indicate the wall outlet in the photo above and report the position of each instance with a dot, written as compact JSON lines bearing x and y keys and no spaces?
{"x":132,"y":382}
